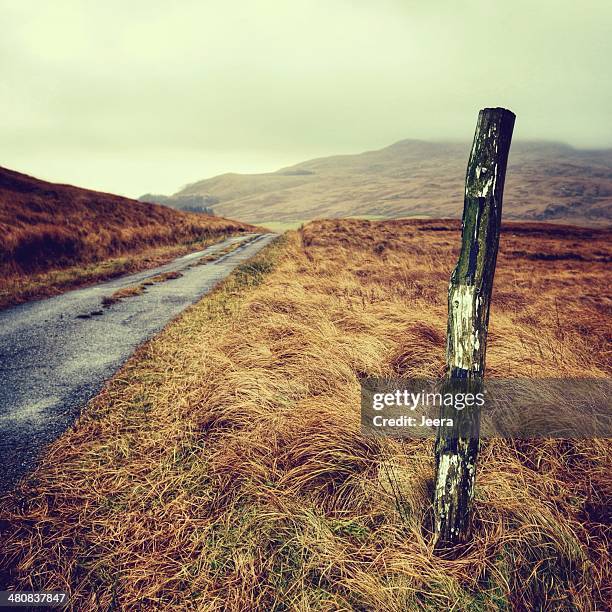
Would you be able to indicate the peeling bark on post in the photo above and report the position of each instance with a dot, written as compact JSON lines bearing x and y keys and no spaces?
{"x":469,"y":297}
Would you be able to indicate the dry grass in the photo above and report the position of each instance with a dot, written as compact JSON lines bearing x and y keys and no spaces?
{"x":222,"y":468}
{"x":163,"y":277}
{"x":122,"y":294}
{"x":57,"y":236}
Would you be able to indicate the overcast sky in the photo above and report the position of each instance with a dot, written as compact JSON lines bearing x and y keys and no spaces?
{"x":132,"y":96}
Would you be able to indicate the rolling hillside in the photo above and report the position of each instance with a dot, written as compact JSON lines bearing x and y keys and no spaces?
{"x":57,"y":237}
{"x":46,"y":225}
{"x":545,"y":182}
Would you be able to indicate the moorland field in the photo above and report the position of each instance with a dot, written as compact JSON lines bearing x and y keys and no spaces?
{"x":223,"y":469}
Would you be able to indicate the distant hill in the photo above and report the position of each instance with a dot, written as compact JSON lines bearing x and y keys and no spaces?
{"x":545,"y":182}
{"x":46,"y":225}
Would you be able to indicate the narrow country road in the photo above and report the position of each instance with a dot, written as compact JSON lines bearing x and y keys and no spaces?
{"x":56,"y":354}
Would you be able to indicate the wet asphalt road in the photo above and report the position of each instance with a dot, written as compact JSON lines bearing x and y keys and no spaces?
{"x":56,"y":354}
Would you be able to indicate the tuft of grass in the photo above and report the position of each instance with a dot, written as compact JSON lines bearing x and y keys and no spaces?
{"x":223,"y":468}
{"x":122,"y":294}
{"x":163,"y":277}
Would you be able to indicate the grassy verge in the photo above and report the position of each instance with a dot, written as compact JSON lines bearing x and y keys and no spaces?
{"x":19,"y":288}
{"x":223,"y":468}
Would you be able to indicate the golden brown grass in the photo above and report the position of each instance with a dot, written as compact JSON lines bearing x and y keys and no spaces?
{"x":223,"y":469}
{"x":57,"y":236}
{"x":122,"y":294}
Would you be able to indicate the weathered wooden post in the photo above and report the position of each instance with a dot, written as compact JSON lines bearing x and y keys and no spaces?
{"x":469,"y":297}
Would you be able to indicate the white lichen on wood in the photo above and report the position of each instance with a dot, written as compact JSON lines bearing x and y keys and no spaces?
{"x":464,"y":333}
{"x":451,"y":474}
{"x":484,"y":184}
{"x":448,"y":464}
